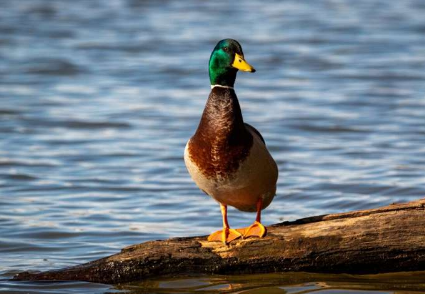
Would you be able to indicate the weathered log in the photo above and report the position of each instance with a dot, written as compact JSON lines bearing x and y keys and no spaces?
{"x":386,"y":239}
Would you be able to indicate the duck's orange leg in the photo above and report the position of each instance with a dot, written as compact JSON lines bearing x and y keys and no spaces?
{"x":227,"y":234}
{"x":256,"y":229}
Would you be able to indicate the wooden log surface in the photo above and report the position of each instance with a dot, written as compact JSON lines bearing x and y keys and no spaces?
{"x":386,"y":239}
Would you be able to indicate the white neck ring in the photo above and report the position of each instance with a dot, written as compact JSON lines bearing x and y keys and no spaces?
{"x":221,"y":86}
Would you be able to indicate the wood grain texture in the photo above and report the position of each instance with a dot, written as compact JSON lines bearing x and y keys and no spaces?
{"x":386,"y":239}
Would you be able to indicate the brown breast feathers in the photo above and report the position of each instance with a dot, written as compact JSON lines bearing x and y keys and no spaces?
{"x":221,"y":141}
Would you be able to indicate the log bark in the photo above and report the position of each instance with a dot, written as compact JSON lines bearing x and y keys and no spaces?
{"x":386,"y":239}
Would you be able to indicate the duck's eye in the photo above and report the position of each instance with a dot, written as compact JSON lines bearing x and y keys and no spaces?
{"x":225,"y":49}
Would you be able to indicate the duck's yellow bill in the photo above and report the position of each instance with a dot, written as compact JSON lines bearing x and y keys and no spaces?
{"x":241,"y":64}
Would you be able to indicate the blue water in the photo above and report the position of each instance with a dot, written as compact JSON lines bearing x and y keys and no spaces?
{"x":98,"y":99}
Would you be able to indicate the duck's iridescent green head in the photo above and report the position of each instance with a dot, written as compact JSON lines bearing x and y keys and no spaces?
{"x":225,"y":61}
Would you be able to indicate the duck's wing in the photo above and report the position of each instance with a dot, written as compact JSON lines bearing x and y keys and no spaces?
{"x":251,"y":128}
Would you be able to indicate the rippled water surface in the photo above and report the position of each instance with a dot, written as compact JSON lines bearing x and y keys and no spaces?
{"x":98,"y":99}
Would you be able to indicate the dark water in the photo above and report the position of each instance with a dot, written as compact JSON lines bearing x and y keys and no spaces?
{"x":98,"y":99}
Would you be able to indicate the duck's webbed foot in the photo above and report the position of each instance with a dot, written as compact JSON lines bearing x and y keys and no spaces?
{"x":256,"y":229}
{"x":226,"y":235}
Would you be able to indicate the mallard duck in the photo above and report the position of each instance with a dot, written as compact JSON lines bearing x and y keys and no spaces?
{"x":227,"y":158}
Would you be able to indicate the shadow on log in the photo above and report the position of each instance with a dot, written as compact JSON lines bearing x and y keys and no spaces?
{"x":386,"y":239}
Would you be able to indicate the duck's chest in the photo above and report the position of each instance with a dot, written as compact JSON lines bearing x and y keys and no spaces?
{"x":217,"y":159}
{"x":221,"y":142}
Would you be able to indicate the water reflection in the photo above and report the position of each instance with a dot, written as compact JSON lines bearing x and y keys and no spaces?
{"x":294,"y":283}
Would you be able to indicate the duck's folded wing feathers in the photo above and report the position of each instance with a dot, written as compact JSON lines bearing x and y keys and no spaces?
{"x":251,"y":128}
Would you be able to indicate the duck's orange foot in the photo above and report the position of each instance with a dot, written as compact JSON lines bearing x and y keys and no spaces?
{"x":226,"y":235}
{"x":256,"y":229}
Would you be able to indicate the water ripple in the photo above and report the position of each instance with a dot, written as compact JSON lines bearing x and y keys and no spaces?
{"x":98,"y":99}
